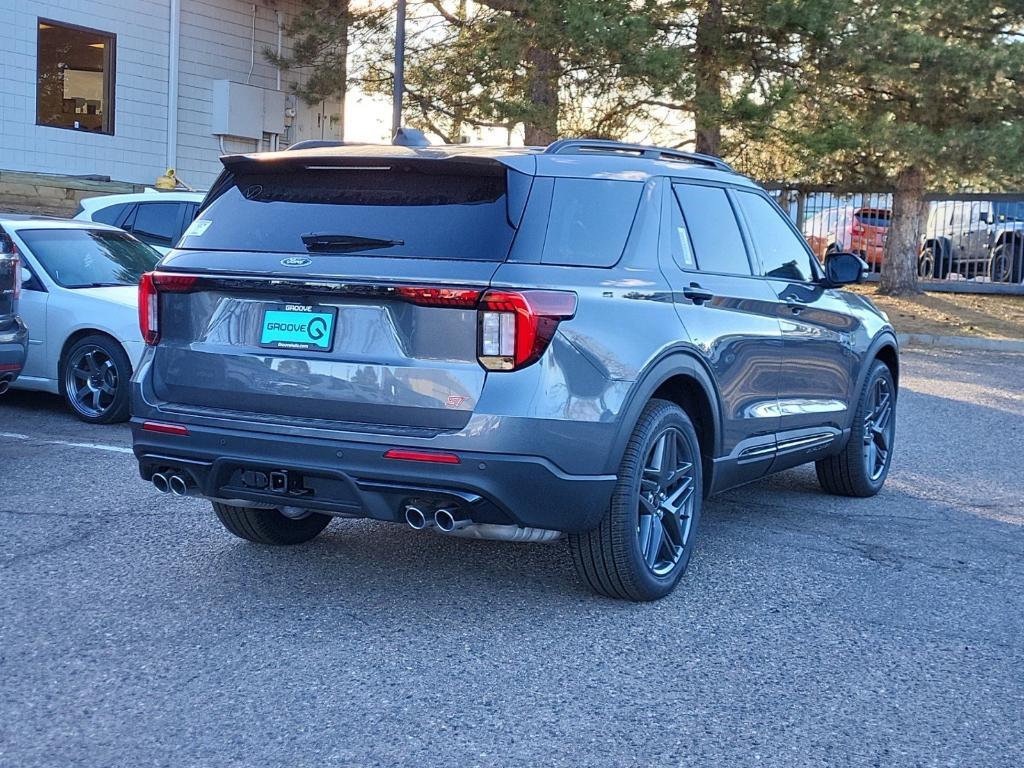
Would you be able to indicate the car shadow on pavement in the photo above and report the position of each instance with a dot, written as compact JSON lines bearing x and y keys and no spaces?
{"x":942,"y":501}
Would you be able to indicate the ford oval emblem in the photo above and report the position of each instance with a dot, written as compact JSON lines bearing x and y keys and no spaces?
{"x":296,"y":261}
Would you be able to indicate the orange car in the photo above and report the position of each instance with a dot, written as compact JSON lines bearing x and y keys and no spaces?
{"x":867,"y":234}
{"x":860,"y":230}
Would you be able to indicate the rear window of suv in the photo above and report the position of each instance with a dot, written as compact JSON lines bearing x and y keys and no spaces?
{"x":405,"y":212}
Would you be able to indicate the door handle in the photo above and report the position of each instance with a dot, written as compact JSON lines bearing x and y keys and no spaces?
{"x":696,"y":294}
{"x":795,"y":308}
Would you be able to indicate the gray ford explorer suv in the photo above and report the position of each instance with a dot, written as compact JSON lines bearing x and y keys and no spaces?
{"x":519,"y":344}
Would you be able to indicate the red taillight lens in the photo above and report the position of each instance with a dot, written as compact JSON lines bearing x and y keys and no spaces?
{"x":151,"y":285}
{"x":432,"y":457}
{"x":439,"y":297}
{"x":149,"y":311}
{"x":517,"y":326}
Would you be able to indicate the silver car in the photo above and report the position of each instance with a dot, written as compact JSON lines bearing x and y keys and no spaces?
{"x":79,"y":299}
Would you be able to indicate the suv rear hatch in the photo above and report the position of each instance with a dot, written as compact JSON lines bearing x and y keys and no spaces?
{"x":334,"y":289}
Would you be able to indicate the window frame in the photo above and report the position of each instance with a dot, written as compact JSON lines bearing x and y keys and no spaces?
{"x":109,"y":83}
{"x":752,"y":262}
{"x":817,"y":272}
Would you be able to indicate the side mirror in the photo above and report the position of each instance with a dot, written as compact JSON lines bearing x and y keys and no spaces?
{"x":985,"y":217}
{"x":844,"y":268}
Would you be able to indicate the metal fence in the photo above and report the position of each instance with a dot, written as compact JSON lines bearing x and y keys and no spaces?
{"x":967,"y":237}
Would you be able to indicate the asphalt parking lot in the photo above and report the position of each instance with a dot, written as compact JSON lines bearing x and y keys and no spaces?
{"x":809,"y":630}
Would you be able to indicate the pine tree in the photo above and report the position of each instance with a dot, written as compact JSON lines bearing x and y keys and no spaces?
{"x":918,"y":96}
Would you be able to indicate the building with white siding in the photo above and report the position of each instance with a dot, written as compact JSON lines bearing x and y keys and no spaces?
{"x":128,"y":88}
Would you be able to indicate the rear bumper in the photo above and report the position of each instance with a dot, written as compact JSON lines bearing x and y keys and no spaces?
{"x":13,"y":348}
{"x":344,"y":477}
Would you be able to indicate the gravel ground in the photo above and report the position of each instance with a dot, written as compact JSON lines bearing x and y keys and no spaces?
{"x":809,"y":630}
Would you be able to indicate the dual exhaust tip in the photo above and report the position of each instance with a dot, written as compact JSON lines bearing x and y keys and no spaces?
{"x":445,"y":519}
{"x":171,"y":483}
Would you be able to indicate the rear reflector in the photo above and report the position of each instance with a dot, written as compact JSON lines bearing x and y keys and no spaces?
{"x":165,"y":429}
{"x":434,"y":457}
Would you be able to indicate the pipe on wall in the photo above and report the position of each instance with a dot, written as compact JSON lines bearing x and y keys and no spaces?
{"x":173,"y":54}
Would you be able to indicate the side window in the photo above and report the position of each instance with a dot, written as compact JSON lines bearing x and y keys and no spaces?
{"x":158,"y":223}
{"x":783,"y":253}
{"x":110,"y":214}
{"x":710,"y":227}
{"x":590,"y":220}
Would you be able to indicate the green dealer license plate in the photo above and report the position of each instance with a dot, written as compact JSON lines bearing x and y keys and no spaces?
{"x":298,"y":326}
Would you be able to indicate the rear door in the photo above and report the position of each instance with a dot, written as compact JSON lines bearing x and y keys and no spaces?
{"x":729,"y":315}
{"x":338,"y":294}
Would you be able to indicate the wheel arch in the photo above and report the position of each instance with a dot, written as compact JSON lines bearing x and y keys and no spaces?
{"x":680,"y":378}
{"x":76,"y":336}
{"x":883,"y":347}
{"x":944,"y":245}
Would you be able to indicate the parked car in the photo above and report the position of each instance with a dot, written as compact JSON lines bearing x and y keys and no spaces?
{"x":155,"y":218}
{"x":974,"y":238}
{"x":13,"y":334}
{"x":860,"y":230}
{"x":504,"y":343}
{"x":79,"y":301}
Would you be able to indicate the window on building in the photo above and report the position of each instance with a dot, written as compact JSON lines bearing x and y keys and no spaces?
{"x":74,"y":77}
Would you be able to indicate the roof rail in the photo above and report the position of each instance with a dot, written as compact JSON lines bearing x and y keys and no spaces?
{"x":581,"y":146}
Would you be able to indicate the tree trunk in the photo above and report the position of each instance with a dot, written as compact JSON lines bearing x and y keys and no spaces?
{"x":903,"y":240}
{"x":707,"y":101}
{"x":542,"y":91}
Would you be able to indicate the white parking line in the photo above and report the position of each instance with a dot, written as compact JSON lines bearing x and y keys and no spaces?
{"x":68,"y":443}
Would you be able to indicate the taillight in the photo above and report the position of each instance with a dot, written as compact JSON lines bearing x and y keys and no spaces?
{"x":149,"y":313}
{"x":151,"y":285}
{"x":858,"y":229}
{"x":517,"y":326}
{"x":439,"y":297}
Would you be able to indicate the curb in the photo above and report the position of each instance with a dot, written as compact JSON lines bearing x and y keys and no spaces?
{"x":931,"y":341}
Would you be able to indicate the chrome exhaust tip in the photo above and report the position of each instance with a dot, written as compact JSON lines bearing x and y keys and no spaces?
{"x":417,"y":519}
{"x":178,"y":485}
{"x":159,"y":481}
{"x":449,"y":520}
{"x":5,"y":384}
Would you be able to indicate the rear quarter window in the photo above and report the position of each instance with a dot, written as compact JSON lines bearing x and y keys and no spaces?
{"x":590,"y":221}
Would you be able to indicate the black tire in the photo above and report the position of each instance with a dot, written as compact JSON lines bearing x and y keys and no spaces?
{"x":268,"y":526}
{"x":848,"y":473}
{"x":610,"y":558}
{"x":1007,"y":263}
{"x":933,"y":262}
{"x":106,"y":396}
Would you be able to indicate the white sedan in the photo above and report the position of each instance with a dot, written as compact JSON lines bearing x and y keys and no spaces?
{"x":79,"y":300}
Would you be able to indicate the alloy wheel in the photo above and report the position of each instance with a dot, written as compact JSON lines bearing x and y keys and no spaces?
{"x":665,"y":509}
{"x":91,"y":381}
{"x":878,"y":429}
